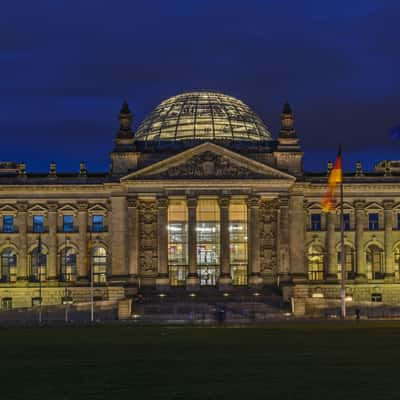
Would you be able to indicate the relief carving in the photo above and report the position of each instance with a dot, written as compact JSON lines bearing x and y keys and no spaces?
{"x":208,"y":164}
{"x":147,"y":237}
{"x":268,"y":217}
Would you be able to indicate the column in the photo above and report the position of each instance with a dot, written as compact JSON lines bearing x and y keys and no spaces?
{"x":388,"y":241}
{"x":52,"y":256}
{"x":119,"y":259}
{"x":22,"y":270}
{"x":84,"y":253}
{"x":162,"y":280}
{"x":225,"y":279}
{"x":283,"y":239}
{"x":192,"y":281}
{"x":133,"y":235}
{"x":255,"y":279}
{"x":330,"y":246}
{"x":298,"y":266}
{"x":361,"y":274}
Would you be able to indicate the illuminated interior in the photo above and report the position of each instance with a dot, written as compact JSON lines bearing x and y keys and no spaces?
{"x":177,"y":242}
{"x":208,"y":241}
{"x":203,"y":116}
{"x":238,"y":241}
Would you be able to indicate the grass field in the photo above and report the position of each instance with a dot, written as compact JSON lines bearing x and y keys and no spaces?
{"x":280,"y":361}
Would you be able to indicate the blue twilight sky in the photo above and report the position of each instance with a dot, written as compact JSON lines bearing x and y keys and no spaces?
{"x":66,"y":66}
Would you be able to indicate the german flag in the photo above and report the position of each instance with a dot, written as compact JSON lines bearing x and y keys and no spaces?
{"x":334,"y":178}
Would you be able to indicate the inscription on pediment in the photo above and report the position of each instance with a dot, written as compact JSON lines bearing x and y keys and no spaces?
{"x":207,"y":165}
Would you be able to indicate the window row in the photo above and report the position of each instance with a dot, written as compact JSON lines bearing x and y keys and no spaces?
{"x":374,"y":262}
{"x":38,"y":224}
{"x":67,"y":263}
{"x":374,"y":223}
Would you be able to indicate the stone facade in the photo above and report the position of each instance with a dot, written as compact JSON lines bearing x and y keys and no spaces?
{"x":115,"y":228}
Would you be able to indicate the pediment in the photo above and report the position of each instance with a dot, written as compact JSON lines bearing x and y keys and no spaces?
{"x":97,"y":208}
{"x":37,"y":208}
{"x":207,"y":161}
{"x":68,"y":208}
{"x":7,"y":208}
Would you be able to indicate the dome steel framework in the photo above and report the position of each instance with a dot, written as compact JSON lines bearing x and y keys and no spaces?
{"x":202,"y":116}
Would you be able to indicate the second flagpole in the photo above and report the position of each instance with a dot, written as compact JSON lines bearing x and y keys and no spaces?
{"x":342,"y":257}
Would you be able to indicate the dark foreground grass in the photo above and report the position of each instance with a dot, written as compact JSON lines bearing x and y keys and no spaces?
{"x":280,"y":361}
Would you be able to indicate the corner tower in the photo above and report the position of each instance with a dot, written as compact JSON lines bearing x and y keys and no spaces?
{"x":124,"y":157}
{"x":288,"y":154}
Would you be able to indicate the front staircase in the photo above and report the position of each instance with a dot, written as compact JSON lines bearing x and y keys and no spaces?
{"x":209,"y":305}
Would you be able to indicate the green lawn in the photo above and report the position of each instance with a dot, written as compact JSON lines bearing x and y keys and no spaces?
{"x":280,"y":361}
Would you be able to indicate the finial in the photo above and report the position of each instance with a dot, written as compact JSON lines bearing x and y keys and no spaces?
{"x":82,"y":169}
{"x":287,"y":123}
{"x":22,"y":169}
{"x":287,"y":109}
{"x":330,"y":166}
{"x":125,"y":121}
{"x":125,"y":108}
{"x":359,"y":171}
{"x":388,"y":168}
{"x":53,"y":169}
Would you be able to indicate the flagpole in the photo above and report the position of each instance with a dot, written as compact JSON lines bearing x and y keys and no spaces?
{"x":40,"y":277}
{"x":91,"y":280}
{"x":342,"y":256}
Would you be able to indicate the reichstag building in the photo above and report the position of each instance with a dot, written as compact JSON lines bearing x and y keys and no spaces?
{"x":200,"y":195}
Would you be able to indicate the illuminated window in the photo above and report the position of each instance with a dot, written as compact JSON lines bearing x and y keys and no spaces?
{"x":6,"y":303}
{"x":68,"y":264}
{"x":238,"y":242}
{"x":374,"y":258}
{"x":68,"y":223}
{"x":99,"y":264}
{"x":8,"y":264}
{"x":8,"y":223}
{"x":177,"y":242}
{"x":315,"y":263}
{"x":349,"y":262}
{"x":38,"y":223}
{"x":373,"y":222}
{"x":208,"y":241}
{"x":38,"y":265}
{"x":315,"y":222}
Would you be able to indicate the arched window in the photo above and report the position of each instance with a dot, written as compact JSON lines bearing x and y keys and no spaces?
{"x":38,"y":269}
{"x":374,"y":258}
{"x":315,"y":258}
{"x":397,"y":256}
{"x":99,"y":264}
{"x":348,"y":262}
{"x":8,"y":264}
{"x":68,"y":264}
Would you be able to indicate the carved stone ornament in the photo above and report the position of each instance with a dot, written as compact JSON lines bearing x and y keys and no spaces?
{"x":207,"y":165}
{"x":148,"y":237}
{"x":268,"y":233}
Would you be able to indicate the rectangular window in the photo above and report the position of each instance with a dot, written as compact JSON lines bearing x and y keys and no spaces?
{"x":8,"y":223}
{"x":373,"y":222}
{"x":315,"y":222}
{"x":398,"y":221}
{"x":346,"y":222}
{"x":38,"y":223}
{"x":97,"y":223}
{"x":68,"y":223}
{"x":238,"y":241}
{"x":6,"y":303}
{"x":177,"y":242}
{"x":208,"y":241}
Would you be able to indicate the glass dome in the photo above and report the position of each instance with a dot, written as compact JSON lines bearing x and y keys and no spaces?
{"x":202,"y":116}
